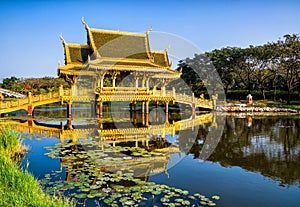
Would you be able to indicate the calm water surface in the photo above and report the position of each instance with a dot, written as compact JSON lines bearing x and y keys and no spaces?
{"x":254,"y":162}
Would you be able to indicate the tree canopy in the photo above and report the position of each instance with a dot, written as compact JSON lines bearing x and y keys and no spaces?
{"x":272,"y":67}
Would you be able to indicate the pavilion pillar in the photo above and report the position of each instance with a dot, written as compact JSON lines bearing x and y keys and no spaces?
{"x":136,"y":82}
{"x":73,"y":89}
{"x":147,"y":119}
{"x":69,"y":109}
{"x":163,"y":91}
{"x":134,"y":106}
{"x":147,"y":107}
{"x":147,"y":83}
{"x":143,"y":83}
{"x":143,"y":107}
{"x":167,"y":107}
{"x":100,"y":109}
{"x":143,"y":119}
{"x":193,"y":110}
{"x":114,"y":82}
{"x":134,"y":117}
{"x":167,"y":112}
{"x":157,"y":104}
{"x":100,"y":123}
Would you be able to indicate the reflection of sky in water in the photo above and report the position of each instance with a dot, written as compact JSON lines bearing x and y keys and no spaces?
{"x":235,"y":185}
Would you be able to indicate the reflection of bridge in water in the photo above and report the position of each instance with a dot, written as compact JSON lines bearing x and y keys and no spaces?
{"x":150,"y":137}
{"x":135,"y":134}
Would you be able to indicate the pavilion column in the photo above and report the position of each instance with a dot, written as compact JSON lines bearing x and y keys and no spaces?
{"x":136,"y":82}
{"x":163,"y":88}
{"x":167,"y":111}
{"x":147,"y":83}
{"x":69,"y":109}
{"x":143,"y":107}
{"x":134,"y":106}
{"x":143,"y":82}
{"x":114,"y":76}
{"x":147,"y":107}
{"x":134,"y":117}
{"x":100,"y":109}
{"x":147,"y":119}
{"x":167,"y":107}
{"x":143,"y":119}
{"x":73,"y":89}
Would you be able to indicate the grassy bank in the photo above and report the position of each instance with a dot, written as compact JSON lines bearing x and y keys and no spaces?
{"x":19,"y":188}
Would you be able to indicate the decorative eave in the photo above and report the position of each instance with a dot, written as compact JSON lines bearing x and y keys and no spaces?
{"x":67,"y":53}
{"x":147,"y":44}
{"x":90,"y":36}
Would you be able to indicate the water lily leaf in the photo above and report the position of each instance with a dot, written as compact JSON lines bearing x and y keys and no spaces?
{"x":81,"y":195}
{"x":216,"y":197}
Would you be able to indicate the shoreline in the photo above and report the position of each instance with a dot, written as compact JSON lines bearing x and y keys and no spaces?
{"x":253,"y":109}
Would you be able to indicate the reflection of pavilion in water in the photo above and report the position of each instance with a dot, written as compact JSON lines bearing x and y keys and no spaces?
{"x":136,"y":132}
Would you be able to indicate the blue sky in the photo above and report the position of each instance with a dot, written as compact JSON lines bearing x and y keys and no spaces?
{"x":29,"y":37}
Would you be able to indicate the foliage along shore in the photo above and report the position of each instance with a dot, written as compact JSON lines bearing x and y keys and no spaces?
{"x":19,"y":187}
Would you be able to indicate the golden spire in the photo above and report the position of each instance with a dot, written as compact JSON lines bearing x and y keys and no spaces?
{"x":84,"y":23}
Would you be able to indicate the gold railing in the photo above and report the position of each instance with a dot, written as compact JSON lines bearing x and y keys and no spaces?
{"x":105,"y":94}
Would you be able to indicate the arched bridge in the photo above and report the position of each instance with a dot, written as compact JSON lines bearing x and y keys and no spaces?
{"x":105,"y":94}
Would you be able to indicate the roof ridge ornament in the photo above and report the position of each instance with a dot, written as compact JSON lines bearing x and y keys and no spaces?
{"x":167,"y":48}
{"x":149,"y":30}
{"x":84,"y":23}
{"x":62,"y":39}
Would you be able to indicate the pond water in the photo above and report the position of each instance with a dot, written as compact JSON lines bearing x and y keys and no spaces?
{"x":132,"y":159}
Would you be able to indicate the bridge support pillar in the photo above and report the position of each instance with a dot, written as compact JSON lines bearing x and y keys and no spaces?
{"x":30,"y":110}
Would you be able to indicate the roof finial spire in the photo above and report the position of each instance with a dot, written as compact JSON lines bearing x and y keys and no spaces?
{"x":61,"y":38}
{"x":167,"y":48}
{"x":149,"y":30}
{"x":84,"y":23}
{"x":58,"y":63}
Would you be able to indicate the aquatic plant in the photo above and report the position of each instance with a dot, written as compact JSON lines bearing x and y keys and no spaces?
{"x":91,"y":174}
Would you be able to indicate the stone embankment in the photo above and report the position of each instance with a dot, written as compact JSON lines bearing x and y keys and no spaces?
{"x":254,"y":109}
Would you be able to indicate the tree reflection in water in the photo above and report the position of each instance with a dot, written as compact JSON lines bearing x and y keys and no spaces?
{"x":269,"y":145}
